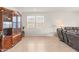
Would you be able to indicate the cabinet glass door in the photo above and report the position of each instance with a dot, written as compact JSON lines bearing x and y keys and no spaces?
{"x":19,"y":24}
{"x":14,"y":25}
{"x":7,"y":26}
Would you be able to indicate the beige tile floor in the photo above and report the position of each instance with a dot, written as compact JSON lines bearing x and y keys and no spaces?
{"x":41,"y":44}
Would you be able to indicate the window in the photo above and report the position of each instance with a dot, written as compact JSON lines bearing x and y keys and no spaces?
{"x":34,"y":21}
{"x":39,"y":19}
{"x":30,"y":21}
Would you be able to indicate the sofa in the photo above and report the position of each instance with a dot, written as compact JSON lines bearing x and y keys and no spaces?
{"x":70,"y":36}
{"x":73,"y":39}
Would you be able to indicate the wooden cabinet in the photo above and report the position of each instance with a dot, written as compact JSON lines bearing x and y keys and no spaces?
{"x":7,"y":42}
{"x":10,"y":28}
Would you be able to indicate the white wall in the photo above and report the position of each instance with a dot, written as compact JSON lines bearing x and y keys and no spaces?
{"x":51,"y":18}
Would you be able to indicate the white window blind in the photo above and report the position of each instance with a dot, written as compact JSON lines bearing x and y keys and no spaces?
{"x":34,"y":21}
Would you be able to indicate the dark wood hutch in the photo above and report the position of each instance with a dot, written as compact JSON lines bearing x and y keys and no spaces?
{"x":10,"y":28}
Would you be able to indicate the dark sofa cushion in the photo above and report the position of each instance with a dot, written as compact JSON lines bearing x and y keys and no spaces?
{"x":59,"y":32}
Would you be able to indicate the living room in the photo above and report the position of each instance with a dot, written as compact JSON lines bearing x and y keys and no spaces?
{"x":44,"y":29}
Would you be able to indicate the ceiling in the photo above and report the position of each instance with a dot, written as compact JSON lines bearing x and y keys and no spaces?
{"x":46,"y":9}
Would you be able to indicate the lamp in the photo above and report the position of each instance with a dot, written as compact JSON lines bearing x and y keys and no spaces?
{"x":60,"y":23}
